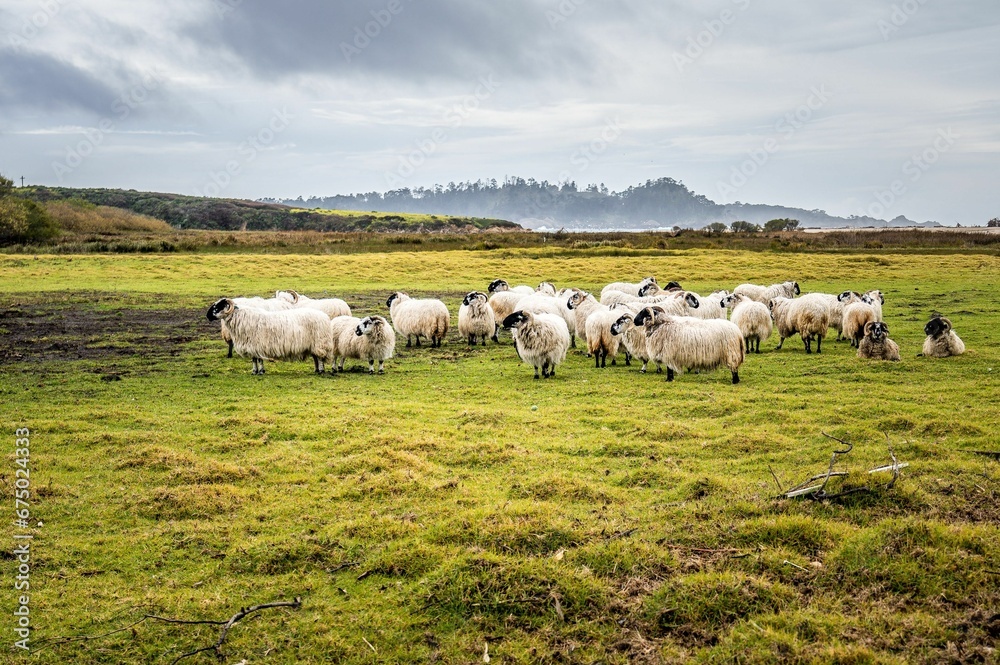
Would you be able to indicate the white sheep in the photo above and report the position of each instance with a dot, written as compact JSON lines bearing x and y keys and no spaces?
{"x":419,"y":317}
{"x":751,"y":317}
{"x":876,"y":344}
{"x":857,"y":313}
{"x":836,"y":308}
{"x":684,"y":342}
{"x":634,"y":338}
{"x":601,"y":343}
{"x":500,"y":285}
{"x":267,"y":304}
{"x":627,"y":287}
{"x":941,"y":340}
{"x":541,"y":339}
{"x":654,"y":289}
{"x":765,"y":294}
{"x":370,"y":338}
{"x":330,"y":306}
{"x":503,"y":303}
{"x":710,"y":306}
{"x":808,"y":316}
{"x":876,"y":300}
{"x":293,"y":334}
{"x":546,"y":288}
{"x":476,"y":318}
{"x":539,"y":302}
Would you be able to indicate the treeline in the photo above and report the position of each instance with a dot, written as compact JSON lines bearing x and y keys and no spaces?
{"x":192,"y":212}
{"x":659,"y":203}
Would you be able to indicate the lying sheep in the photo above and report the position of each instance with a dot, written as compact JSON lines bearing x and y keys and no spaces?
{"x":266,"y":304}
{"x":876,"y":344}
{"x":370,"y":338}
{"x":681,"y":342}
{"x":330,"y":306}
{"x":601,"y":342}
{"x":808,"y":316}
{"x":627,"y":287}
{"x":751,"y":317}
{"x":541,"y":339}
{"x":293,"y":334}
{"x":501,"y":285}
{"x":420,"y":317}
{"x":941,"y":340}
{"x":476,"y":318}
{"x":856,"y":315}
{"x":764,"y":294}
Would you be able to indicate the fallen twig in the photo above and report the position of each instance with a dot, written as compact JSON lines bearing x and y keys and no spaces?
{"x":243,"y":613}
{"x":818,"y":491}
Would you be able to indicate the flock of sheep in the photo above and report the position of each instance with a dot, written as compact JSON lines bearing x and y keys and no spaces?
{"x":668,"y":326}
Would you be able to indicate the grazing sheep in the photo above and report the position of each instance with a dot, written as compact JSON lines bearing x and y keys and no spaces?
{"x":808,"y":316}
{"x":427,"y":317}
{"x":941,"y":340}
{"x":876,"y":344}
{"x":293,"y":334}
{"x":856,"y":314}
{"x":683,"y":342}
{"x":330,"y":306}
{"x":627,"y":287}
{"x":710,"y":306}
{"x":267,"y":304}
{"x":601,"y":343}
{"x":765,"y":294}
{"x":836,"y":312}
{"x":751,"y":317}
{"x":370,"y":338}
{"x":541,"y":339}
{"x":501,"y":285}
{"x":476,"y":318}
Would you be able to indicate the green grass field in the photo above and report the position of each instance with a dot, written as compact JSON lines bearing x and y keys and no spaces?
{"x":454,"y":507}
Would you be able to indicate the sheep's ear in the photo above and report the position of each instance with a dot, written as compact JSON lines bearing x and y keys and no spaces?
{"x":868,"y":327}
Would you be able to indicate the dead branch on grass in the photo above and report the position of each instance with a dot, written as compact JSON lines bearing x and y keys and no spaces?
{"x":813,"y":489}
{"x":226,"y":624}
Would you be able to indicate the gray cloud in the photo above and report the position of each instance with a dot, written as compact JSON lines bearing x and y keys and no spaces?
{"x":40,"y":81}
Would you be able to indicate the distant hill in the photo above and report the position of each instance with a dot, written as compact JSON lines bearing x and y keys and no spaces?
{"x":660,"y":203}
{"x":193,"y":212}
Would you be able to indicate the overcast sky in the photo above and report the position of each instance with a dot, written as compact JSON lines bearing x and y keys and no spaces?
{"x":854,"y":107}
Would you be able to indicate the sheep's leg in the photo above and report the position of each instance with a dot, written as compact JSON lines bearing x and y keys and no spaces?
{"x":381,"y":367}
{"x":670,"y":374}
{"x":628,"y":359}
{"x":484,"y":339}
{"x":371,"y":366}
{"x":736,"y":377}
{"x":779,"y":344}
{"x":643,"y":368}
{"x":819,"y":345}
{"x":757,"y":350}
{"x":496,"y":333}
{"x":230,"y":342}
{"x":253,"y":362}
{"x":552,"y":371}
{"x":597,"y":360}
{"x":472,"y":340}
{"x":536,"y":371}
{"x":808,"y":342}
{"x":417,"y":338}
{"x":318,"y":367}
{"x":408,"y":341}
{"x":748,"y":344}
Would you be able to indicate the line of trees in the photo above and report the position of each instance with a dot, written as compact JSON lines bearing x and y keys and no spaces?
{"x":740,"y":226}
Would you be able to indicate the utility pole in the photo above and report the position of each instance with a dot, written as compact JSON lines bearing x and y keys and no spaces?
{"x":22,"y":181}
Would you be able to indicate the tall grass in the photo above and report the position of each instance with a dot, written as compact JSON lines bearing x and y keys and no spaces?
{"x":82,"y":217}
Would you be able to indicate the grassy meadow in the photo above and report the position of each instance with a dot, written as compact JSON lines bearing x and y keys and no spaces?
{"x":454,"y":508}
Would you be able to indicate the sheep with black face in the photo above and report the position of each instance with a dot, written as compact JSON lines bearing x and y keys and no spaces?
{"x":293,"y":334}
{"x":876,"y":345}
{"x":941,"y":340}
{"x":541,"y":339}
